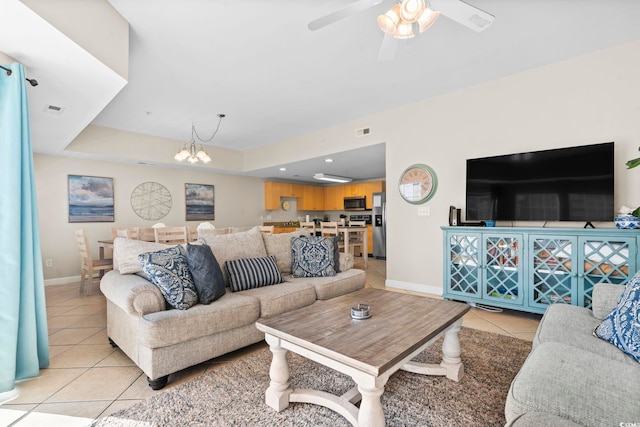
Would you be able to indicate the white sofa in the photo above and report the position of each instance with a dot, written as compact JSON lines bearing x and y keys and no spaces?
{"x":162,"y":340}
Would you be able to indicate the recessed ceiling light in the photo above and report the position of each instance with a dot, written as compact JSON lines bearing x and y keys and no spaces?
{"x":328,"y":160}
{"x":283,"y":169}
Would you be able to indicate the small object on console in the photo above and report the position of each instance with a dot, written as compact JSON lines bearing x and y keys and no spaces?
{"x":362,"y":311}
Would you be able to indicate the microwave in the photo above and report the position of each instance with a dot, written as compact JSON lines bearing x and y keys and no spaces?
{"x":355,"y":203}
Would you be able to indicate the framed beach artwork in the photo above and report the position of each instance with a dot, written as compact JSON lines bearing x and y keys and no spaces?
{"x":199,"y":201}
{"x":90,"y":199}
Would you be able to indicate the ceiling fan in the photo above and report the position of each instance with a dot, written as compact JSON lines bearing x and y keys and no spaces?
{"x":399,"y":21}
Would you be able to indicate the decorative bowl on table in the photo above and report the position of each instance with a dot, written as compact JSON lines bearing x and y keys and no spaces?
{"x":627,"y":221}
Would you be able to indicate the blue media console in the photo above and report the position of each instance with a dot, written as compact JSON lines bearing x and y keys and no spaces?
{"x":529,"y":268}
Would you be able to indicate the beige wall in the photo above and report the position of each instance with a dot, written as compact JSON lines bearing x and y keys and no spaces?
{"x":239,"y":201}
{"x":586,"y":100}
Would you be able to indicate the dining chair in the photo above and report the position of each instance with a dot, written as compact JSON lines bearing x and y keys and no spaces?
{"x":311,"y":226}
{"x":267,"y":229}
{"x":356,"y":239}
{"x":88,"y":265}
{"x":192,"y":233}
{"x":146,"y":234}
{"x":330,"y":229}
{"x":171,"y":235}
{"x":128,"y":232}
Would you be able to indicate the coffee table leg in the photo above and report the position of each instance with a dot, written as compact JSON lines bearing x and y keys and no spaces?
{"x":451,"y":353}
{"x":277,"y":395}
{"x":371,"y":413}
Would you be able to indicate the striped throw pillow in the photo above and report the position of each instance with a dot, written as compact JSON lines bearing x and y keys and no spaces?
{"x":250,"y":273}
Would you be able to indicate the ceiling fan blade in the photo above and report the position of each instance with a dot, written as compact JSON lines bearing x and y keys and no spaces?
{"x":387,"y":48}
{"x":345,"y":12}
{"x":463,"y":13}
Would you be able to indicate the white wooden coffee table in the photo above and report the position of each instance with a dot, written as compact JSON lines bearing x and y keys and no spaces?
{"x":369,"y":351}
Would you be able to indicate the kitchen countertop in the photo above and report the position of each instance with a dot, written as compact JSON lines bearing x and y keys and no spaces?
{"x":283,"y":224}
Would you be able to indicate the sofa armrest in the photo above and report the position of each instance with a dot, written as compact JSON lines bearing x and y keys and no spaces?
{"x":346,"y":261}
{"x":605,"y":298}
{"x":132,"y":293}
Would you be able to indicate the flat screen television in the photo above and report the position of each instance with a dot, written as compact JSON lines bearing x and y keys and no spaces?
{"x":565,"y":184}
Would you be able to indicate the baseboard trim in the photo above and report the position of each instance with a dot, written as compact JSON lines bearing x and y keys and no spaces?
{"x":416,"y":287}
{"x":62,"y":281}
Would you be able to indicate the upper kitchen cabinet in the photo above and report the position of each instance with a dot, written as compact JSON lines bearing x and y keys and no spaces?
{"x":368,"y":188}
{"x":312,"y":198}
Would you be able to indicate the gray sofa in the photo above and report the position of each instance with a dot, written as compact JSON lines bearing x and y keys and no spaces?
{"x":571,"y":377}
{"x":161,"y":340}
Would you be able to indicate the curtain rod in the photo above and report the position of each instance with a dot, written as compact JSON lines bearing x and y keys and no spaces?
{"x":32,"y":82}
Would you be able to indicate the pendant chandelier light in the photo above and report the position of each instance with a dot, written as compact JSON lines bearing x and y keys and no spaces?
{"x":191,"y":153}
{"x":398,"y":21}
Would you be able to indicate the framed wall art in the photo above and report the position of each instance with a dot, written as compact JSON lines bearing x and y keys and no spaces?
{"x":199,"y":202}
{"x":90,"y":199}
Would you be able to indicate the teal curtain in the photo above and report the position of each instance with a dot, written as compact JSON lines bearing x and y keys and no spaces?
{"x":24,"y":343}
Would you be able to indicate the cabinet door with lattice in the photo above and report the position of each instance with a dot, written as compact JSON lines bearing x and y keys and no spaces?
{"x":605,"y":260}
{"x":463,"y":272}
{"x":552,"y":274}
{"x":502,"y":268}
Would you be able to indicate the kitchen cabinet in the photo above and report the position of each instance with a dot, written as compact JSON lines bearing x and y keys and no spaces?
{"x":369,"y":188}
{"x":529,"y":268}
{"x":331,"y":198}
{"x":312,"y":198}
{"x":274,"y":191}
{"x":370,"y":239}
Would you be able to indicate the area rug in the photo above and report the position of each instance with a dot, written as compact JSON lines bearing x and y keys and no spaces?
{"x":233,"y":394}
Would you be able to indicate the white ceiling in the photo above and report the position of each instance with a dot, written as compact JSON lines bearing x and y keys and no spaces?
{"x":257,"y":62}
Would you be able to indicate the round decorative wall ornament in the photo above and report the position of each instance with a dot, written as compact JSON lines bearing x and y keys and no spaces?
{"x":151,"y":201}
{"x":418,"y":184}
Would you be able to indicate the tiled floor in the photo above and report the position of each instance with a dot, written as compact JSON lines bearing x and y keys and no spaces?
{"x":87,"y":378}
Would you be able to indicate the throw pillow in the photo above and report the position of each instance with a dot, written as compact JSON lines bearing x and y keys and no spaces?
{"x":169,"y":271}
{"x":313,"y":256}
{"x":622,"y":327}
{"x":250,"y":273}
{"x":207,"y":275}
{"x":279,"y":245}
{"x":245,"y":244}
{"x":127,"y":251}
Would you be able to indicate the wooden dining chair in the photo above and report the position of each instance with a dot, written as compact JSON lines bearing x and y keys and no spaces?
{"x":356,"y":240}
{"x":329,"y":229}
{"x":146,"y":234}
{"x":311,"y":226}
{"x":89,"y":266}
{"x":171,"y":235}
{"x":192,"y":233}
{"x":128,"y":232}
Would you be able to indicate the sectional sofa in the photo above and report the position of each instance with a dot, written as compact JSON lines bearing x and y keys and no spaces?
{"x":574,"y":378}
{"x":162,"y":340}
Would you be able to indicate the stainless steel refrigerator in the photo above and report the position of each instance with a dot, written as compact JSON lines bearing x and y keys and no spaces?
{"x":380,"y":225}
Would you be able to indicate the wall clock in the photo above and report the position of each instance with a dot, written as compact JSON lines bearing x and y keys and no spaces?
{"x":418,"y":183}
{"x":151,"y":201}
{"x":286,"y":205}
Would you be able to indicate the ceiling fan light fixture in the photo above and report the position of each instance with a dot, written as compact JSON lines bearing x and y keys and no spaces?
{"x":388,"y":22}
{"x":411,"y":10}
{"x":427,"y":19}
{"x":405,"y":31}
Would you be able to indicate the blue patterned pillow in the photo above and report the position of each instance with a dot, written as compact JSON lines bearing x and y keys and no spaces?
{"x":313,"y":256}
{"x":622,"y":327}
{"x":169,"y":271}
{"x":249,"y":273}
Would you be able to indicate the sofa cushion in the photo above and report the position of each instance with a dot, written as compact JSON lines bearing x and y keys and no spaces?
{"x":574,"y":326}
{"x":245,"y":244}
{"x":621,"y":328}
{"x":207,"y":275}
{"x":169,"y":327}
{"x":279,"y":245}
{"x":126,"y":251}
{"x":283,"y":297}
{"x":169,"y":271}
{"x":250,"y":273}
{"x":331,"y":287}
{"x":584,"y":387}
{"x":313,"y":256}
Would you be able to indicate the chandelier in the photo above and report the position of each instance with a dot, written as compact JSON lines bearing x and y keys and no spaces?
{"x":191,"y":153}
{"x":398,"y":21}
